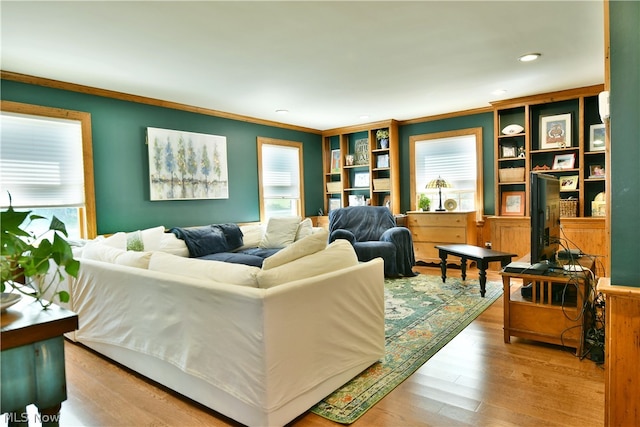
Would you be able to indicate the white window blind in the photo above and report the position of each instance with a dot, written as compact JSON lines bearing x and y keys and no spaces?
{"x":41,"y":161}
{"x":280,"y":168}
{"x":281,"y":180}
{"x":454,"y":160}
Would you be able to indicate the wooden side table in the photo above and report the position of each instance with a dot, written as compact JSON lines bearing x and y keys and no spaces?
{"x":32,"y":360}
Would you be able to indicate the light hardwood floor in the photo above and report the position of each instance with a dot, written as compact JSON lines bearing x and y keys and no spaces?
{"x":475,"y":380}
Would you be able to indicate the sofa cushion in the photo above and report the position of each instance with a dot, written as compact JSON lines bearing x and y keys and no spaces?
{"x":222,"y":272}
{"x":134,"y":241}
{"x":280,"y":232}
{"x":152,"y":237}
{"x":336,"y":256}
{"x":235,"y":258}
{"x":305,"y":228}
{"x":172,"y":245}
{"x":252,"y":235}
{"x":301,"y":248}
{"x":106,"y":253}
{"x":116,"y":240}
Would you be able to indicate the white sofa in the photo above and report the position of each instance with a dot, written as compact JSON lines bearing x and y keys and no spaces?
{"x":259,"y":355}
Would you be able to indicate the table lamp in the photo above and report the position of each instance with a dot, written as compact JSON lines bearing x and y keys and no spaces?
{"x":439,"y":183}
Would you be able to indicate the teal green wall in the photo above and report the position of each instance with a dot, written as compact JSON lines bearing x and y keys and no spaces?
{"x":624,"y":17}
{"x":483,"y":120}
{"x":121,"y":166}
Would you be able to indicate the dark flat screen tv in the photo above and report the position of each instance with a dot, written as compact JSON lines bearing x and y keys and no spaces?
{"x":545,"y":217}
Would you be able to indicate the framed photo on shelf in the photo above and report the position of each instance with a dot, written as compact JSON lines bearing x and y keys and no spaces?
{"x":564,"y":161}
{"x":362,"y":152}
{"x":596,"y":171}
{"x":568,"y":182}
{"x":382,"y":161}
{"x":357,"y":200}
{"x":361,"y":179}
{"x":512,"y":203}
{"x":335,"y":161}
{"x":555,"y":131}
{"x":508,"y":150}
{"x":387,"y":201}
{"x":334,"y":203}
{"x":596,"y":137}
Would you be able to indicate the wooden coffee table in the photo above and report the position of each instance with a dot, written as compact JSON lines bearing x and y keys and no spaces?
{"x":481,"y":256}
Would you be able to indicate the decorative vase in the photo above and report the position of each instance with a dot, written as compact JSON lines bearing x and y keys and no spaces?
{"x":384,"y":143}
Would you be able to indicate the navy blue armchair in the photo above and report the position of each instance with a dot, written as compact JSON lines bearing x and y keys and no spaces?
{"x":373,"y":233}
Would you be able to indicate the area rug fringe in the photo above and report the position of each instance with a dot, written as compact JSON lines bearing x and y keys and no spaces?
{"x":422,"y":316}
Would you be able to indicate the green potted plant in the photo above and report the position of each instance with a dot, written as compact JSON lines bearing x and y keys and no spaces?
{"x":382,"y":135}
{"x":424,"y":203}
{"x":25,"y":254}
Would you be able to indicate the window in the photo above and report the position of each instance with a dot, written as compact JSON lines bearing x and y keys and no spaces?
{"x":455,"y":157}
{"x":280,"y":178}
{"x":47,"y":165}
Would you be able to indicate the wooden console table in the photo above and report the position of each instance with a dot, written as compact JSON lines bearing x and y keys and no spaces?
{"x":32,"y":360}
{"x":554,"y":314}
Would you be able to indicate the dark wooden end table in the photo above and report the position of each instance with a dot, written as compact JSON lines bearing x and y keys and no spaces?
{"x":32,"y":360}
{"x":481,"y":256}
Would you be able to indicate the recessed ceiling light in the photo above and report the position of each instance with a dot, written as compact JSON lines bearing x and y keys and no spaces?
{"x":364,"y":117}
{"x":282,"y":111}
{"x":529,"y":57}
{"x":499,"y":92}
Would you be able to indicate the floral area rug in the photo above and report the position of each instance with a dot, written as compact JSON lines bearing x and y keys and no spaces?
{"x":422,"y":315}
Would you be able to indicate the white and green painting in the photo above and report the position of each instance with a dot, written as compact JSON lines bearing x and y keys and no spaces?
{"x":187,"y":165}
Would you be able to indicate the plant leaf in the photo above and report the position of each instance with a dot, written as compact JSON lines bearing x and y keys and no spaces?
{"x":63,"y":296}
{"x":58,"y":225}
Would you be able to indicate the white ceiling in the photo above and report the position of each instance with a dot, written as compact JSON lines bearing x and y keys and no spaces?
{"x":328,"y":63}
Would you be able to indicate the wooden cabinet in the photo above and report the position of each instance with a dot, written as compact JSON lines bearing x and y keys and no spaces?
{"x":577,"y":155}
{"x":429,"y":229}
{"x":553,"y":313}
{"x":362,"y":167}
{"x":513,"y":234}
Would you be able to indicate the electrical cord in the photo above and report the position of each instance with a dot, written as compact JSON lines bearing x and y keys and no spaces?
{"x":593,"y":306}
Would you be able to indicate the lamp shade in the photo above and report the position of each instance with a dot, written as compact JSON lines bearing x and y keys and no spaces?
{"x":438,"y":183}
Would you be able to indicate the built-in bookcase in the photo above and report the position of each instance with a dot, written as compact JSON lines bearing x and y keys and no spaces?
{"x":360,"y":166}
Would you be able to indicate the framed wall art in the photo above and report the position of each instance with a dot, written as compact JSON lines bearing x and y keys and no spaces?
{"x":555,"y":131}
{"x":596,"y":137}
{"x":512,"y":203}
{"x":186,"y":165}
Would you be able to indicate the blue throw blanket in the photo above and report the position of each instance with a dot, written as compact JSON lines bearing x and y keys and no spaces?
{"x":210,"y":239}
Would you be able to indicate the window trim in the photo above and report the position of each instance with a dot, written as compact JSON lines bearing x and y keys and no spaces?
{"x":477,"y":132}
{"x":281,"y":142}
{"x":87,"y":215}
